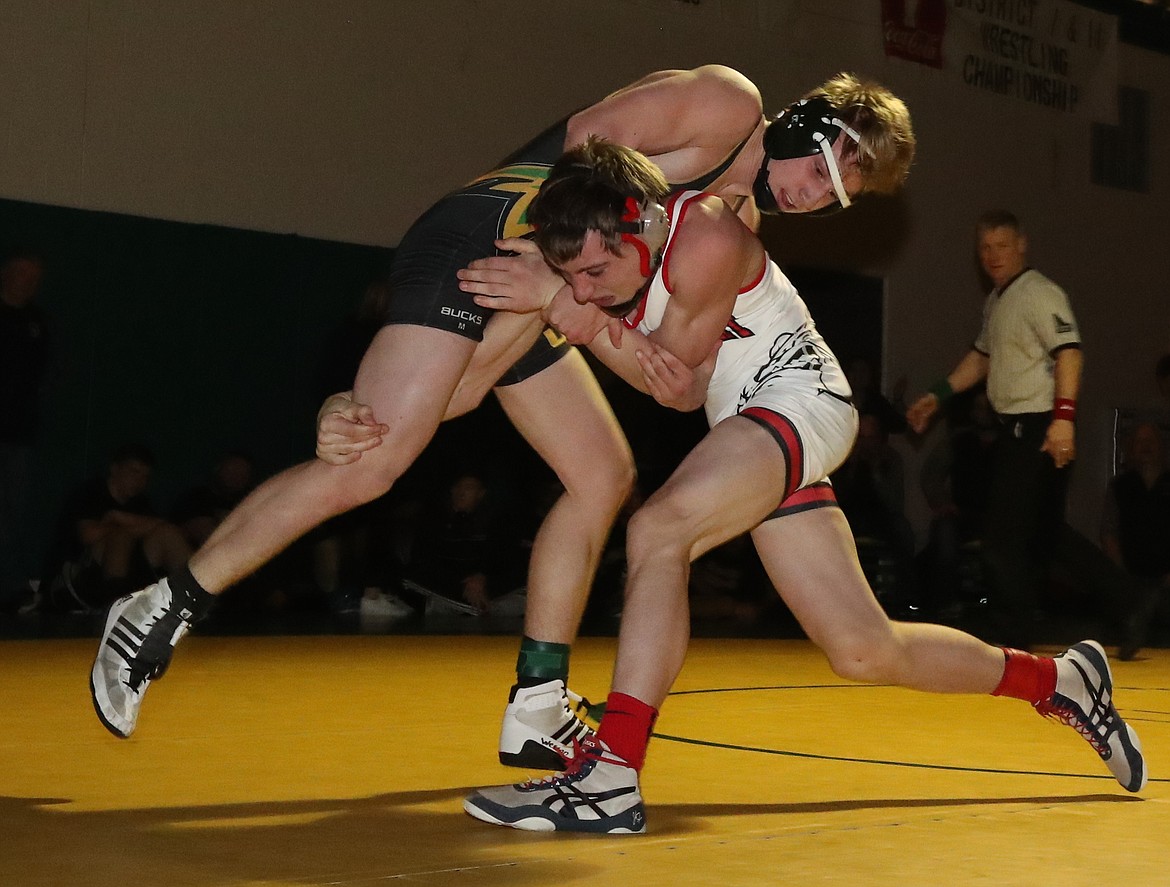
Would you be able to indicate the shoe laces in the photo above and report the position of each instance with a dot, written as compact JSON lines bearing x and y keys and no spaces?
{"x":1095,"y":726}
{"x":1096,"y":735}
{"x":142,"y":672}
{"x":154,"y":655}
{"x":587,"y":754}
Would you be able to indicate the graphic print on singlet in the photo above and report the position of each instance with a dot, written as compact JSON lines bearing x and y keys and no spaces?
{"x":801,"y":350}
{"x":773,"y":364}
{"x":769,"y":338}
{"x":735,"y":330}
{"x":514,"y":185}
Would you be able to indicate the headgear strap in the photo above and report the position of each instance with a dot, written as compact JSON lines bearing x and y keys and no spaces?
{"x":641,"y":223}
{"x":647,"y":227}
{"x":809,"y":127}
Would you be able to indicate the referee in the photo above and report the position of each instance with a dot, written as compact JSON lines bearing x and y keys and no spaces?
{"x":1029,"y":351}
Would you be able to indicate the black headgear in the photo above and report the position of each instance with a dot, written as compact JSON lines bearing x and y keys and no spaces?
{"x":809,"y":127}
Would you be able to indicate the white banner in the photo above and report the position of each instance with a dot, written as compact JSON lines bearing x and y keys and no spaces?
{"x":1050,"y":53}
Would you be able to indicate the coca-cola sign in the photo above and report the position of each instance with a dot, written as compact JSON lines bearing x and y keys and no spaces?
{"x":915,"y":34}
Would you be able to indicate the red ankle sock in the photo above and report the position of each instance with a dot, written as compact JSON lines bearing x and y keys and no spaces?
{"x":626,"y":728}
{"x":1027,"y":677}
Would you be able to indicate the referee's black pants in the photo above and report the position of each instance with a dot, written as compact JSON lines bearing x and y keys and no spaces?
{"x":1025,"y":535}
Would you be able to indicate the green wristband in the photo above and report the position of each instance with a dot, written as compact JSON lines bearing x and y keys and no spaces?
{"x":942,"y":390}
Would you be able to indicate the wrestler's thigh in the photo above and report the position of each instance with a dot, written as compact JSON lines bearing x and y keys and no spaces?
{"x":812,"y":561}
{"x":724,"y":486}
{"x":407,"y":376}
{"x":563,"y":414}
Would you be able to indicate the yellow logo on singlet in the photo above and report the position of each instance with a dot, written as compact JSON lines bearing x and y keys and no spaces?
{"x":523,"y":179}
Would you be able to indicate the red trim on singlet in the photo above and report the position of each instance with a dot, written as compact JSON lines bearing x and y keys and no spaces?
{"x":631,"y":320}
{"x":674,"y":230}
{"x":666,"y":257}
{"x":634,"y":318}
{"x":818,"y":495}
{"x":759,"y":277}
{"x":789,"y":440}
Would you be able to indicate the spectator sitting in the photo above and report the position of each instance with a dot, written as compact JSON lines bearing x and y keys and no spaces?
{"x":200,"y":510}
{"x":464,"y":551}
{"x":360,"y":555}
{"x":110,"y":540}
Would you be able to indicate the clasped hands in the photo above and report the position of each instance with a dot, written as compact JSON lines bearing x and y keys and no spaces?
{"x":523,"y":283}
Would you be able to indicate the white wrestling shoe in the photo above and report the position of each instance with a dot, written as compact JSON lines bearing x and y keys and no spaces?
{"x":140,"y":636}
{"x":597,"y":793}
{"x":1084,"y":701}
{"x":539,"y":728}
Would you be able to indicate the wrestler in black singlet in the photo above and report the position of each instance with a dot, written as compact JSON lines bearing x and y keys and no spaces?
{"x":704,"y":181}
{"x":462,"y":227}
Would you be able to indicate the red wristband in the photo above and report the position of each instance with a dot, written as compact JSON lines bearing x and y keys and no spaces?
{"x":1064,"y":408}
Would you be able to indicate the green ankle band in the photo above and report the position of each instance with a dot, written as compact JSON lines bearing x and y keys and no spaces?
{"x":540,"y":659}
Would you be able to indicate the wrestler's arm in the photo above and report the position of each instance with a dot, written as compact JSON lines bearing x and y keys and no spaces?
{"x":620,"y":355}
{"x":707,"y":110}
{"x":655,"y":371}
{"x":712,"y":254}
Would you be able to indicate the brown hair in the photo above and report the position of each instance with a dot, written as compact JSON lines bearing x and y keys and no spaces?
{"x":998,"y":218}
{"x":587,"y":190}
{"x":882,"y":120}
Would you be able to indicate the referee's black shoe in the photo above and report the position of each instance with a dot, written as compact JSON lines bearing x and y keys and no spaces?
{"x":1137,"y":622}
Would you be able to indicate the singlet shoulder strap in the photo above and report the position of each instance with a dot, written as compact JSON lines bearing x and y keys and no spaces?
{"x":702,"y":182}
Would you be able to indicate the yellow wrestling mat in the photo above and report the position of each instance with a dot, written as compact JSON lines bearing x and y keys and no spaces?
{"x":272,"y":762}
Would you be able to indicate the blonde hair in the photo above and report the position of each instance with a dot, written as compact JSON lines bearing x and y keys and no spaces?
{"x":882,"y":120}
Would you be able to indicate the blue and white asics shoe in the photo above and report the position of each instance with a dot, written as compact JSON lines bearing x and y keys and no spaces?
{"x":597,"y":793}
{"x":1084,"y":701}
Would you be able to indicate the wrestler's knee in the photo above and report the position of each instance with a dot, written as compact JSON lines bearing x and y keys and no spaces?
{"x":865,"y":658}
{"x":358,"y":489}
{"x":323,"y":491}
{"x":607,"y":481}
{"x":661,"y":527}
{"x":620,"y":480}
